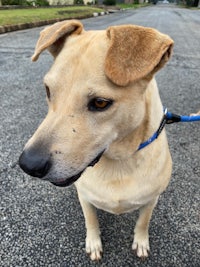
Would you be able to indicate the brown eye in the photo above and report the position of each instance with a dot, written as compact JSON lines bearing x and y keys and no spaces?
{"x":48,"y":92}
{"x":99,"y":104}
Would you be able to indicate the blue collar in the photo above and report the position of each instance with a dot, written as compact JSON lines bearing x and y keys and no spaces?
{"x":168,"y":118}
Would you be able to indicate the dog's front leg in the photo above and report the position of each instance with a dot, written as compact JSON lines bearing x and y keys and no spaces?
{"x":141,"y":231}
{"x":93,"y":240}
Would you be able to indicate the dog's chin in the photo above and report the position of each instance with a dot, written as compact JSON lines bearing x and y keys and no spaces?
{"x":72,"y":179}
{"x":68,"y":181}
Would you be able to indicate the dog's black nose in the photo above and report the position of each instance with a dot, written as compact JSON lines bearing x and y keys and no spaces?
{"x":34,"y":163}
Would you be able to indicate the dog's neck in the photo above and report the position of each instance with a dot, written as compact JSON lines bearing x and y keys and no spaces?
{"x":127,"y":147}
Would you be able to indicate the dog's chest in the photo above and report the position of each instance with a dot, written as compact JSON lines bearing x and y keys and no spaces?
{"x":114,"y":198}
{"x":116,"y":206}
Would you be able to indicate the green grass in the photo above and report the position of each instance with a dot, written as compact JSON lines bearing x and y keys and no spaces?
{"x":18,"y":16}
{"x":132,"y":5}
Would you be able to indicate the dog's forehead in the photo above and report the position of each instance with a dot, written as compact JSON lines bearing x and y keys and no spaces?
{"x":84,"y":49}
{"x":81,"y":59}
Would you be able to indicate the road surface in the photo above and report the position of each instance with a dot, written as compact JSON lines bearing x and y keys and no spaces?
{"x":42,"y":225}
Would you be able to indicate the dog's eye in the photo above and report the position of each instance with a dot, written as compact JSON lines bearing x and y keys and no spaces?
{"x":48,"y":92}
{"x":99,"y":104}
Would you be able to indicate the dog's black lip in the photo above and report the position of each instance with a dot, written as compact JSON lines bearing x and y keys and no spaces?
{"x":74,"y":178}
{"x":68,"y":181}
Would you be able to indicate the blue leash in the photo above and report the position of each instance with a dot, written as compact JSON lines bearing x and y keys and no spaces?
{"x":178,"y":118}
{"x":168,"y":118}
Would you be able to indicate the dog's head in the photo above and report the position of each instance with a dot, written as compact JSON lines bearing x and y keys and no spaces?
{"x":95,"y":93}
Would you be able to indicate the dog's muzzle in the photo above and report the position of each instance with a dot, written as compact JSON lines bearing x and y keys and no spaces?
{"x":39,"y":165}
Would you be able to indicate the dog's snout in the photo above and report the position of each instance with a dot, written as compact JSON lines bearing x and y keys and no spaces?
{"x":34,"y":163}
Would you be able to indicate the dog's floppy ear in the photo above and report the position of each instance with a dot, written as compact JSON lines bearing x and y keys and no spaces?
{"x":135,"y":52}
{"x":52,"y":37}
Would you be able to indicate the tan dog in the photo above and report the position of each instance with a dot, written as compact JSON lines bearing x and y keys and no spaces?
{"x":103,"y":103}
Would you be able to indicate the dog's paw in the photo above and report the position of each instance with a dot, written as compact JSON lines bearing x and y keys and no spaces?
{"x":141,"y":246}
{"x":94,"y":248}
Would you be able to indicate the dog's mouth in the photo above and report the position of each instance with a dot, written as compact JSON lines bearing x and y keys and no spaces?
{"x":71,"y":180}
{"x":68,"y":181}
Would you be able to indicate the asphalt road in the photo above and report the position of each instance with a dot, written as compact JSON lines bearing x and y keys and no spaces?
{"x":42,"y":225}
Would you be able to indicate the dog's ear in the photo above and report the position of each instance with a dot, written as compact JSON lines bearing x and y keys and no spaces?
{"x":53,"y":37}
{"x":135,"y":52}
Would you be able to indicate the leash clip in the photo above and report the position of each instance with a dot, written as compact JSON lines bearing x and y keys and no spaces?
{"x":171,"y":117}
{"x":168,"y":118}
{"x":163,"y":122}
